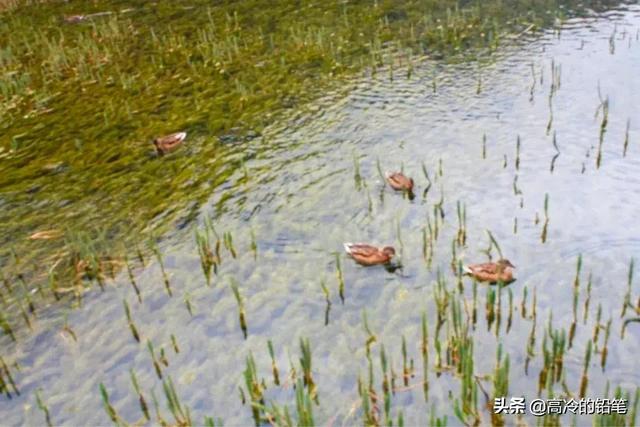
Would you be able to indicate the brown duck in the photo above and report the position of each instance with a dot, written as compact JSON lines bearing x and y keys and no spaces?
{"x":399,"y":182}
{"x":169,"y":143}
{"x":367,"y":255}
{"x":492,"y":272}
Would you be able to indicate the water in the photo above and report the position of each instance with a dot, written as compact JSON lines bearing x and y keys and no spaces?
{"x":302,"y":202}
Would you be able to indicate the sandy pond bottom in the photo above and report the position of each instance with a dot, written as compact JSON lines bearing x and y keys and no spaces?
{"x":304,"y":198}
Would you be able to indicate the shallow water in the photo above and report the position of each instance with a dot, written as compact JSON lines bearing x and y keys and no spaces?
{"x":302,"y":201}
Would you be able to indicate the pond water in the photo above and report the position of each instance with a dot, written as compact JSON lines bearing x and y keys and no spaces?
{"x":311,"y":182}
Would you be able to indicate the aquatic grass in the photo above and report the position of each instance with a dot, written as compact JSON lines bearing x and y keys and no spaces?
{"x":598,"y":325}
{"x":327,"y":298}
{"x":510,"y":315}
{"x":132,"y":326}
{"x":357,"y":177}
{"x":626,"y":139}
{"x":6,"y":327}
{"x":493,"y":243}
{"x":187,"y":303}
{"x":462,"y":223}
{"x":429,"y":183}
{"x":254,"y":245}
{"x":424,"y":350}
{"x":604,"y":107}
{"x":605,"y":349}
{"x":156,"y":365}
{"x":241,"y":310}
{"x":274,"y":367}
{"x":340,"y":278}
{"x":555,"y":156}
{"x":627,"y":297}
{"x":174,"y":344}
{"x":500,"y":381}
{"x":306,"y":365}
{"x":254,"y":387}
{"x":484,"y":146}
{"x":371,"y":337}
{"x":111,"y":411}
{"x":385,"y":385}
{"x":153,"y":246}
{"x":208,"y":260}
{"x":180,"y":413}
{"x":545,"y":226}
{"x":141,"y":400}
{"x":584,"y":380}
{"x":587,"y":301}
{"x":228,"y":243}
{"x":132,"y":279}
{"x":518,"y":153}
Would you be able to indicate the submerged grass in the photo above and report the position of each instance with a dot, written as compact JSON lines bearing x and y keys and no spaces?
{"x":218,"y":71}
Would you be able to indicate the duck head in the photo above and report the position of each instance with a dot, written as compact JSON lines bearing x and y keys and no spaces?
{"x":504,"y":263}
{"x":389,"y":251}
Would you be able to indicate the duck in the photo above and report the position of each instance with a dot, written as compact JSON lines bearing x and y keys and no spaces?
{"x":492,"y":272}
{"x":368,"y":255}
{"x":169,"y":143}
{"x":399,"y":182}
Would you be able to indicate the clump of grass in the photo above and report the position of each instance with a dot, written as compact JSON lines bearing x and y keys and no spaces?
{"x":500,"y":382}
{"x":208,"y":260}
{"x":241,"y":311}
{"x":254,"y":388}
{"x":180,"y":413}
